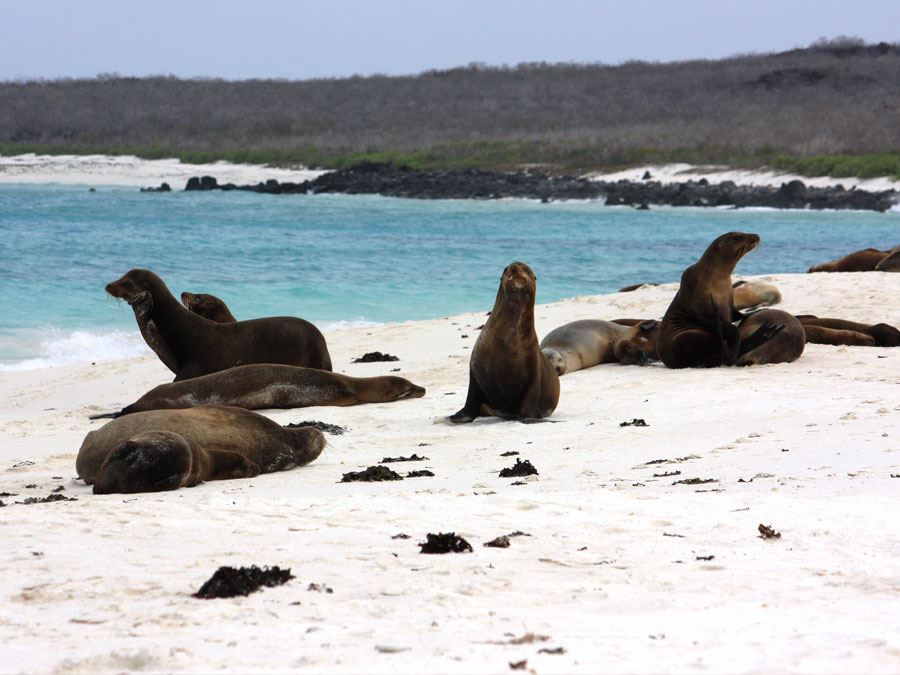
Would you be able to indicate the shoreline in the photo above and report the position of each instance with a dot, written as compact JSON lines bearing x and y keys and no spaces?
{"x":623,"y":565}
{"x":669,"y":184}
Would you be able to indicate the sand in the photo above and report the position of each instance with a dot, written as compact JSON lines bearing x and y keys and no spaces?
{"x":127,"y":170}
{"x":624,"y":570}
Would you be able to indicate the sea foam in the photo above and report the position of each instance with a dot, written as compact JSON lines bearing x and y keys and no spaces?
{"x":82,"y":347}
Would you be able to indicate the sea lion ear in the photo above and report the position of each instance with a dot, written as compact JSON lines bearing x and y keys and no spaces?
{"x":649,"y":324}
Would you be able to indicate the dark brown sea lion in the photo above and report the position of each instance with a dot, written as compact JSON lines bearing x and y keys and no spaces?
{"x":785,"y":347}
{"x":208,"y":306}
{"x":167,"y":449}
{"x":261,"y":386}
{"x":638,"y":345}
{"x":883,"y":334}
{"x":858,"y":261}
{"x":634,"y":287}
{"x":832,"y":336}
{"x":747,"y":294}
{"x":891,"y":263}
{"x":697,"y":329}
{"x":509,"y":376}
{"x":191,"y":346}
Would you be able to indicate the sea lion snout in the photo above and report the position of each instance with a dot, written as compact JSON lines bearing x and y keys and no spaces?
{"x":519,"y":277}
{"x":412,"y":391}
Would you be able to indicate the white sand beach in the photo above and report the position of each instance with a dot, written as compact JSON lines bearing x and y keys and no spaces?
{"x":127,"y":170}
{"x":623,"y":570}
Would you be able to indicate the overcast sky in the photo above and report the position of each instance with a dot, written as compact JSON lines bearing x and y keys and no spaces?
{"x":335,"y":38}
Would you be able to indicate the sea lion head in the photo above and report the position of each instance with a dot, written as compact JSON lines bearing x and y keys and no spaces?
{"x":403,"y":388}
{"x":148,"y":462}
{"x":208,"y":306}
{"x":885,"y":335}
{"x":731,"y":247}
{"x":135,"y":288}
{"x":556,"y":360}
{"x":518,"y":282}
{"x":637,"y":345}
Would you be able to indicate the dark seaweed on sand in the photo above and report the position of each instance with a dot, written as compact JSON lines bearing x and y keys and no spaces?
{"x":695,"y":481}
{"x":521,"y":468}
{"x":636,"y":422}
{"x":768,"y":532}
{"x":500,"y":542}
{"x":49,"y":498}
{"x":424,"y":473}
{"x":445,"y":542}
{"x":412,"y":458}
{"x":228,"y":582}
{"x":373,"y":357}
{"x":321,"y":426}
{"x":370,"y":475}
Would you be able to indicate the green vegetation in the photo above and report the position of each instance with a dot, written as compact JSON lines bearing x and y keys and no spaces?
{"x":840,"y":166}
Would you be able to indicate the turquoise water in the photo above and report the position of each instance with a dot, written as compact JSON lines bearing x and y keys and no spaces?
{"x":333,"y":258}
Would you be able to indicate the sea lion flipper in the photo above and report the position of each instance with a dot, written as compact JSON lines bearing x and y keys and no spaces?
{"x":475,"y":399}
{"x":226,"y":464}
{"x":761,"y":335}
{"x":106,"y":416}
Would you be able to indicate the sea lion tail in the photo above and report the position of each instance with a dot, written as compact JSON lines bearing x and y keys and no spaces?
{"x":106,"y":416}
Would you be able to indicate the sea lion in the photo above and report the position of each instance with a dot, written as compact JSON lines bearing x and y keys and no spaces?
{"x":208,"y":306}
{"x":785,"y":347}
{"x":261,"y":386}
{"x":891,"y":263}
{"x":586,"y":343}
{"x":581,"y":344}
{"x":858,"y":261}
{"x":883,"y":334}
{"x":191,"y":346}
{"x":832,"y":336}
{"x":167,"y":449}
{"x":634,"y":287}
{"x":749,"y":294}
{"x":509,"y":376}
{"x":697,"y":329}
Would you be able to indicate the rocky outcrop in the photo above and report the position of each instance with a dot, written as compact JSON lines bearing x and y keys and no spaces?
{"x":401,"y":181}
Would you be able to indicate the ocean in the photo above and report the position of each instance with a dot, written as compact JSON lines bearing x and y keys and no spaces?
{"x":335,"y":259}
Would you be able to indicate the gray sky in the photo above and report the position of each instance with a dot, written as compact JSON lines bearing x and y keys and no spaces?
{"x":334,"y":38}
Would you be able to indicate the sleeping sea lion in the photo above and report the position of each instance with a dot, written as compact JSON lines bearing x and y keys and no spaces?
{"x":858,"y":261}
{"x":260,"y":386}
{"x":891,"y":263}
{"x":638,"y":344}
{"x":168,"y":449}
{"x":786,"y":346}
{"x":586,"y":343}
{"x":509,"y":376}
{"x":697,"y":329}
{"x":208,"y":306}
{"x":749,"y":294}
{"x":191,"y":346}
{"x":833,"y":332}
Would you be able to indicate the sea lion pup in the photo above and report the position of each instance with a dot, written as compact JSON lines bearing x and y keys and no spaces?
{"x":261,"y":386}
{"x":582,"y":344}
{"x":882,"y":334}
{"x":208,"y":306}
{"x":167,"y":449}
{"x":785,"y":347}
{"x":191,"y":346}
{"x":509,"y":376}
{"x":891,"y":263}
{"x":858,"y":261}
{"x":749,"y":294}
{"x":697,"y":329}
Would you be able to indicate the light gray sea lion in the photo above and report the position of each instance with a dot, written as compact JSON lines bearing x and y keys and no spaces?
{"x":586,"y":343}
{"x":784,"y":347}
{"x":697,"y":329}
{"x":167,"y":449}
{"x":509,"y":376}
{"x":208,"y":306}
{"x":266,"y":385}
{"x":191,"y":346}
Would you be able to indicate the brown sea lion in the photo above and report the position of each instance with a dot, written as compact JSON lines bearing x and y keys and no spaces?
{"x":891,"y":263}
{"x":883,"y":334}
{"x":832,"y":336}
{"x":747,"y":294}
{"x":191,"y":346}
{"x":208,"y":306}
{"x":858,"y":261}
{"x":167,"y":449}
{"x":697,"y":329}
{"x":785,"y":347}
{"x":509,"y":376}
{"x":638,"y":344}
{"x":634,"y":287}
{"x":261,"y":386}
